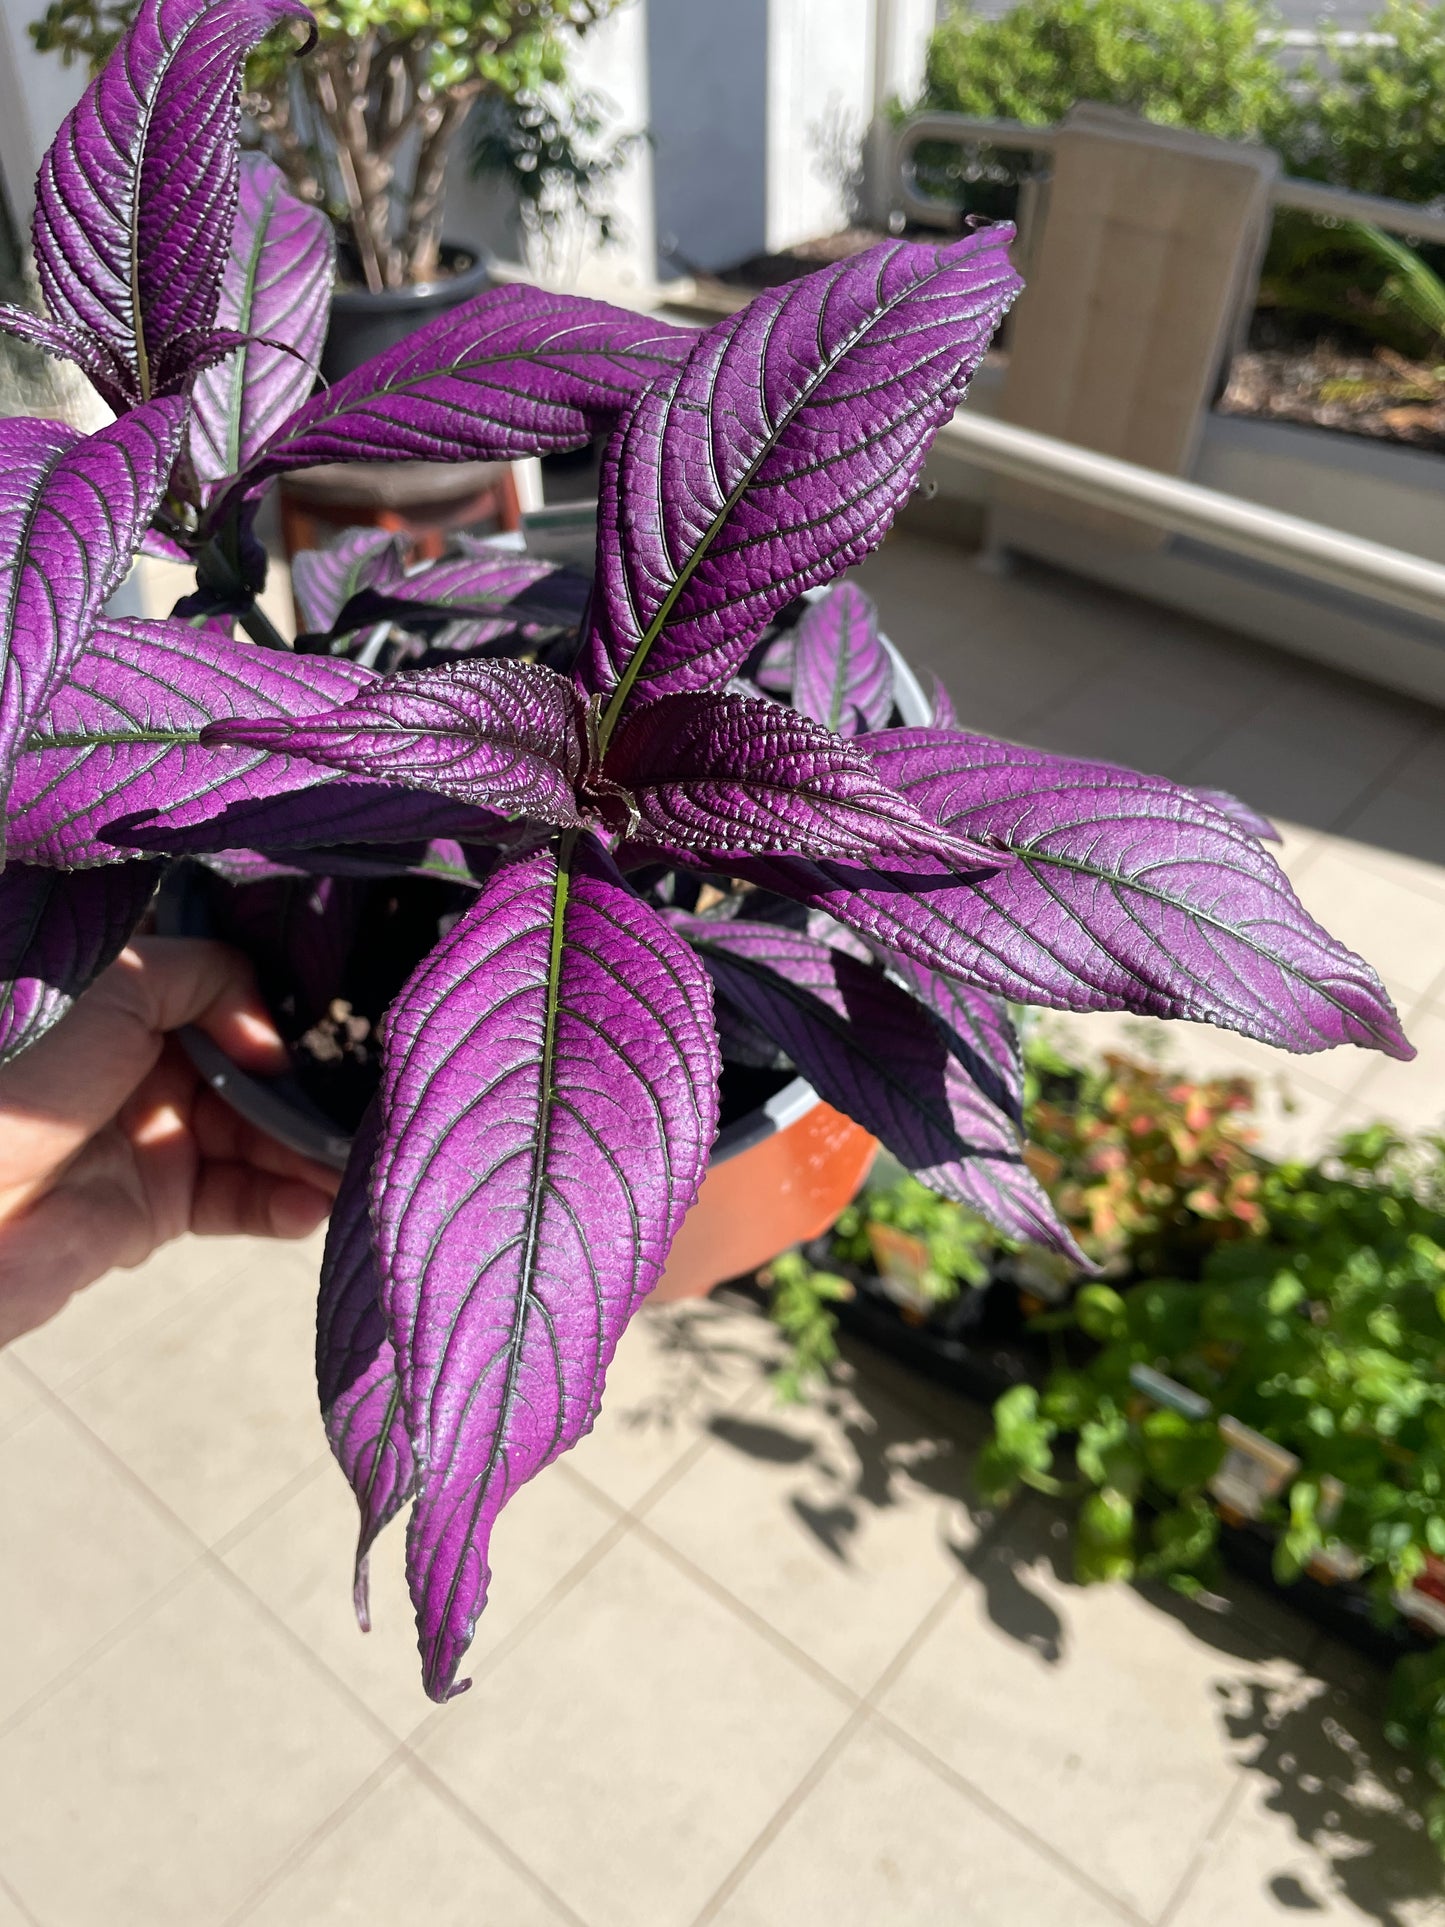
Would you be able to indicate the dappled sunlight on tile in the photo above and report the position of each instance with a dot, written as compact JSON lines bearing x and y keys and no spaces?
{"x":840,"y":1521}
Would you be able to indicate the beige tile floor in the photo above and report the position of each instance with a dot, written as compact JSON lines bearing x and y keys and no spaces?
{"x":745,"y":1665}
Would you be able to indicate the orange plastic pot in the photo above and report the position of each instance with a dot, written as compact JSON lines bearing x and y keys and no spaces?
{"x":776,"y":1179}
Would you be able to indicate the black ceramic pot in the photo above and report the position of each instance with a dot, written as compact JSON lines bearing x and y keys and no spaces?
{"x":364,"y":324}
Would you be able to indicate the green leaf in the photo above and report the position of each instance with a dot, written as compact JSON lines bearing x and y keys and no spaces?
{"x":1101,"y":1313}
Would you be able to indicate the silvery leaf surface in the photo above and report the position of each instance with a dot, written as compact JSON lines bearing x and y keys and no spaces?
{"x":516,"y":371}
{"x":842,"y":676}
{"x":72,"y":510}
{"x":356,"y":1371}
{"x":509,"y":737}
{"x":778,"y":454}
{"x":549,"y":1100}
{"x":323,"y":581}
{"x":137,"y":193}
{"x":873,"y":1052}
{"x":724,"y":775}
{"x":1125,"y":893}
{"x":119,"y":746}
{"x":275,"y":288}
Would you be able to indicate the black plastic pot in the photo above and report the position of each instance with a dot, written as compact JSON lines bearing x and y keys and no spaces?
{"x":364,"y":324}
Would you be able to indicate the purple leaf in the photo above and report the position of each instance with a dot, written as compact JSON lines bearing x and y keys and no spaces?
{"x":517,"y":371}
{"x":356,"y":1373}
{"x":503,"y":736}
{"x":1127,"y":894}
{"x":550,"y":1101}
{"x":978,"y":1027}
{"x":842,"y":674}
{"x":93,"y":358}
{"x":724,"y":775}
{"x":441,"y":858}
{"x":298,"y":930}
{"x":1240,"y":814}
{"x":137,"y":193}
{"x":58,"y":931}
{"x":866,"y":1047}
{"x":121,"y":738}
{"x":323,"y":581}
{"x":72,"y":510}
{"x":779,"y":454}
{"x":276,"y":286}
{"x":507,"y":589}
{"x":775,"y":671}
{"x":945,"y":716}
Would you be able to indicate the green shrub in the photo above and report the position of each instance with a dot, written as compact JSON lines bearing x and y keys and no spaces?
{"x":1188,"y":63}
{"x":1374,"y":118}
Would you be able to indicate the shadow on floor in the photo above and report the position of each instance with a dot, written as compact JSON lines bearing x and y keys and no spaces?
{"x":1352,"y":1801}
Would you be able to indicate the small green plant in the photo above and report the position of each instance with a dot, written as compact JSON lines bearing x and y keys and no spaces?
{"x":799,"y":1305}
{"x":1323,"y":1340}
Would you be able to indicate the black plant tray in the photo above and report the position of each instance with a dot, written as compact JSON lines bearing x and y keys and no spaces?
{"x":999,"y":1351}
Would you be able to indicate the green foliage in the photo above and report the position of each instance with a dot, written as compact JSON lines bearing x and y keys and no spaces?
{"x":1324,"y":1332}
{"x":1188,"y":63}
{"x":958,"y":1247}
{"x":799,"y":1306}
{"x":1357,"y":275}
{"x":366,"y":123}
{"x":1369,"y":117}
{"x":1150,"y":1169}
{"x":1374,"y":118}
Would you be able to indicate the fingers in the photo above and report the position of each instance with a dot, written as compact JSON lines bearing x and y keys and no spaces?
{"x":77,"y":1078}
{"x":223,"y":1135}
{"x":237,"y":1200}
{"x":169,"y":981}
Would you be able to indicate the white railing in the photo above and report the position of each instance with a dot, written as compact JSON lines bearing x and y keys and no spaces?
{"x":1013,"y":136}
{"x":1228,"y":522}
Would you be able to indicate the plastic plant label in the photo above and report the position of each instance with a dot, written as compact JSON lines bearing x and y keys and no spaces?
{"x":904,"y":1267}
{"x":1168,"y":1392}
{"x":1423,"y":1603}
{"x":1335,"y":1561}
{"x":1255,"y":1470}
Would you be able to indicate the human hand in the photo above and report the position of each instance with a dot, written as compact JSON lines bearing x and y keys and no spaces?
{"x":111,"y":1145}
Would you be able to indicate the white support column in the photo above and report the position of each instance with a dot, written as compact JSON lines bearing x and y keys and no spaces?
{"x":36,"y":93}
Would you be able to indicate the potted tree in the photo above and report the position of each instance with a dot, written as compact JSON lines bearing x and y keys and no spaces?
{"x":630,"y":822}
{"x":367,"y":128}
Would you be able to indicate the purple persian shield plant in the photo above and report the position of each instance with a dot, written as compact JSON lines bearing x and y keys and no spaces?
{"x":557,"y":788}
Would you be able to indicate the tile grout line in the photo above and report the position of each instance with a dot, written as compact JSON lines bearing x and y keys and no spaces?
{"x":268,"y":1508}
{"x":861,"y":1714}
{"x":477,"y":1825}
{"x":1229,"y":1806}
{"x":17,"y":1903}
{"x":780,"y":1817}
{"x":157,"y":1321}
{"x":1001,"y":1815}
{"x":739,"y":1608}
{"x":301,"y":1852}
{"x":1339,"y":824}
